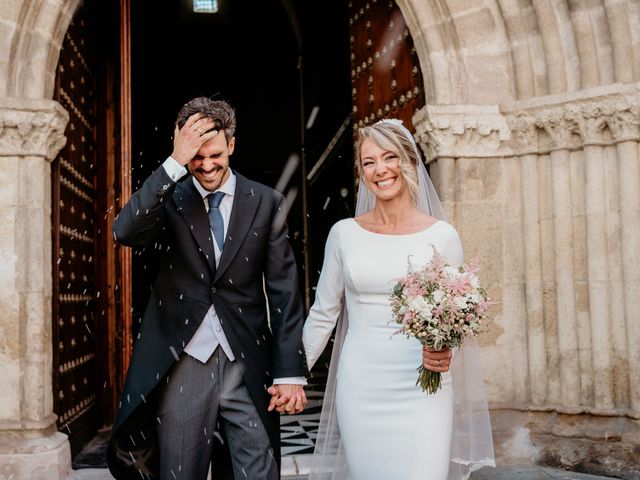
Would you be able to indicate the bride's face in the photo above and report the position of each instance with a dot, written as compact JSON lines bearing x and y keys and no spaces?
{"x":381,"y":171}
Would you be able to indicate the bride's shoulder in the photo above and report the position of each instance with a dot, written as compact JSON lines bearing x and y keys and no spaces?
{"x":449,"y":230}
{"x":341,"y":225}
{"x":362,"y":219}
{"x":439,"y":225}
{"x":447,"y":226}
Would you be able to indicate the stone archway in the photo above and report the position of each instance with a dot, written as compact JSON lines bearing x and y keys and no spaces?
{"x":38,"y":28}
{"x":533,"y":124}
{"x":463,"y":51}
{"x":496,"y":51}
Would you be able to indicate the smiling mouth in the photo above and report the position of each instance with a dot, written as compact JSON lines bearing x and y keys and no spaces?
{"x":386,"y":183}
{"x":210,"y":174}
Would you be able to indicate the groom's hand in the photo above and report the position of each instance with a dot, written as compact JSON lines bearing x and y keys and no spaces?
{"x":190,"y":138}
{"x":436,"y":360}
{"x":287,"y":398}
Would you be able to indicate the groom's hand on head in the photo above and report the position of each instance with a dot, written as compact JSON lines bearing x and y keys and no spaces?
{"x":190,"y":138}
{"x":286,"y":398}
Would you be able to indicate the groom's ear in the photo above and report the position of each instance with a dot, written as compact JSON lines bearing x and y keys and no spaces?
{"x":232,"y":144}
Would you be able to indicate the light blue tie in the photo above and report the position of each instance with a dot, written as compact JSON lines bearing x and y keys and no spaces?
{"x":215,"y":217}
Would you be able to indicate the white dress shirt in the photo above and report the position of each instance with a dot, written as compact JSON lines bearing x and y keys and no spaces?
{"x":210,"y":334}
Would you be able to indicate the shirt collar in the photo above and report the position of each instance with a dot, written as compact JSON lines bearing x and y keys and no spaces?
{"x":228,"y":187}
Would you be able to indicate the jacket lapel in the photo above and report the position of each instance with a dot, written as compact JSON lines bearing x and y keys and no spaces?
{"x":191,"y":206}
{"x":245,"y":206}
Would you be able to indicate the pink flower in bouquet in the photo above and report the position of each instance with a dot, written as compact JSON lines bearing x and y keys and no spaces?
{"x":460,"y":285}
{"x":413,"y":286}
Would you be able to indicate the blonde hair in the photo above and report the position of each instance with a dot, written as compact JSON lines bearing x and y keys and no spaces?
{"x":390,"y":137}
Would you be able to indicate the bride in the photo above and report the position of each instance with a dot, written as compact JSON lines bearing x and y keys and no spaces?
{"x":375,"y":422}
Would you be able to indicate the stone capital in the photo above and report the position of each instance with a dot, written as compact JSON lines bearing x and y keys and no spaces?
{"x":602,"y":116}
{"x":461,"y":130}
{"x":31,"y":128}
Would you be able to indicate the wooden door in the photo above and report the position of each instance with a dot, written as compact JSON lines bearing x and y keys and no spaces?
{"x":91,"y":275}
{"x":74,"y":235}
{"x":385,"y":71}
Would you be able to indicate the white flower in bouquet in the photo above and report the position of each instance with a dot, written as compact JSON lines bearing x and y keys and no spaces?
{"x":438,"y":296}
{"x":460,"y":302}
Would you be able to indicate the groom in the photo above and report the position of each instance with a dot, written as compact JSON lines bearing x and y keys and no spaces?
{"x":208,"y":349}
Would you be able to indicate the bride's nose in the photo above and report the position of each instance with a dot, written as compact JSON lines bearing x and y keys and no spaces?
{"x":381,"y":168}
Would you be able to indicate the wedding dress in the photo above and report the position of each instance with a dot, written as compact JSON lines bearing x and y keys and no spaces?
{"x":389,"y":427}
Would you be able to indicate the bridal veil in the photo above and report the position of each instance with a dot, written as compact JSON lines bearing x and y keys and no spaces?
{"x":471,"y":444}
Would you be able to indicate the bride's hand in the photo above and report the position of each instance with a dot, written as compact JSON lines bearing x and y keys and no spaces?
{"x":436,"y":360}
{"x":286,"y":398}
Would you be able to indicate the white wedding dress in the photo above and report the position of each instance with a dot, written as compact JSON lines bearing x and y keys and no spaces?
{"x":390,"y":428}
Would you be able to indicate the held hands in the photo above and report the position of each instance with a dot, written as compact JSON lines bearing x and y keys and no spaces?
{"x":436,"y":361}
{"x":190,"y":138}
{"x":287,"y":398}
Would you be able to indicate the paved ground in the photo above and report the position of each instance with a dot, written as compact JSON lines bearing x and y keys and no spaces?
{"x":535,"y":473}
{"x":500,"y":473}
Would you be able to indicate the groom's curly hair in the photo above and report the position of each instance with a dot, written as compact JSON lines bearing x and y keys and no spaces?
{"x":391,"y":138}
{"x":220,"y":111}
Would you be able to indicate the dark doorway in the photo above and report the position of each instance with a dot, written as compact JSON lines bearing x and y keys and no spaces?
{"x":285,"y":66}
{"x":274,"y":61}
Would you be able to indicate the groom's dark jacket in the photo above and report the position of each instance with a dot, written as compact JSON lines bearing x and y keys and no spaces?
{"x":172,"y":218}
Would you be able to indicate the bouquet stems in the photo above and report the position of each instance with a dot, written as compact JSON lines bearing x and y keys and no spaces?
{"x":429,"y":381}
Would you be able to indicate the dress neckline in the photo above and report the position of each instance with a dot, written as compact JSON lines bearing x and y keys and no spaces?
{"x":397,"y":235}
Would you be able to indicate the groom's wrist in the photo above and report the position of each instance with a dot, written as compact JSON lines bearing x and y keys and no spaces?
{"x":174,"y":169}
{"x":290,"y":381}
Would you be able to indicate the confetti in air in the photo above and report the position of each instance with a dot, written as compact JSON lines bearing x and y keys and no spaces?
{"x":287,"y":172}
{"x":290,"y":199}
{"x":312,"y":117}
{"x":175,"y":355}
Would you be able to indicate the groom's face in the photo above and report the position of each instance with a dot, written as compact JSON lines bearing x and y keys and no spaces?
{"x":210,"y":166}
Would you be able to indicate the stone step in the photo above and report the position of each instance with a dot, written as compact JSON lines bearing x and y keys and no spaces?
{"x":294,"y":469}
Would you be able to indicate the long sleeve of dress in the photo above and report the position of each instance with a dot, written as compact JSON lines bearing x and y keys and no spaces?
{"x":453,"y":251}
{"x":328,"y":303}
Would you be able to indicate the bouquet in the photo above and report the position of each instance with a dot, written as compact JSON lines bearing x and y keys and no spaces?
{"x":439,"y":305}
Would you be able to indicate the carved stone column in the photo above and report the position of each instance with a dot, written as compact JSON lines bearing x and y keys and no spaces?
{"x":547,"y":191}
{"x":592,"y":145}
{"x":449,"y":132}
{"x":625,"y":127}
{"x":31,"y":134}
{"x":566,"y":371}
{"x":526,"y":141}
{"x":470,"y":166}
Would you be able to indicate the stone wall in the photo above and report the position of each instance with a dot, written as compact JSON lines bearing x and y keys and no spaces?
{"x":31,"y":134}
{"x":532,"y":129}
{"x":547,"y":192}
